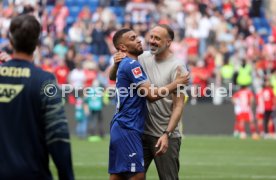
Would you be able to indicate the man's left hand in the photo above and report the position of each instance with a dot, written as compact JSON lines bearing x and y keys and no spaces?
{"x":162,"y":144}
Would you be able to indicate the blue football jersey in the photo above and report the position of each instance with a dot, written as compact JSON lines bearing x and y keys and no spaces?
{"x":131,"y":108}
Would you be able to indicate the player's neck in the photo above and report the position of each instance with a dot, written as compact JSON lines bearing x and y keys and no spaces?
{"x":23,"y":56}
{"x":163,"y":56}
{"x":132,"y":56}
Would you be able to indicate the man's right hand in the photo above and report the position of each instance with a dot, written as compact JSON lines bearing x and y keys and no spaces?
{"x":182,"y":79}
{"x":118,"y":57}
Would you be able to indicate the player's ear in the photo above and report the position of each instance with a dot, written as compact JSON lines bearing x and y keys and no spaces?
{"x":11,"y":44}
{"x":11,"y":40}
{"x":169,"y":42}
{"x":122,"y":47}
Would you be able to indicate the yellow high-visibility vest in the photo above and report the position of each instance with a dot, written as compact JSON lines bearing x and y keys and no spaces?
{"x":273,"y":83}
{"x":227,"y":71}
{"x":244,"y":77}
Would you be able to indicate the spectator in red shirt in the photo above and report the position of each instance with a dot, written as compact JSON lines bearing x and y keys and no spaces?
{"x":200,"y":75}
{"x":61,"y":72}
{"x":227,"y":9}
{"x":60,"y":13}
{"x":85,"y":14}
{"x":242,"y":7}
{"x":192,"y":47}
{"x":90,"y":71}
{"x":210,"y":62}
{"x":269,"y":49}
{"x":47,"y":65}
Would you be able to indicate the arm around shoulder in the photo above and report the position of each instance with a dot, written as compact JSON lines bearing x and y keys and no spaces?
{"x":113,"y":72}
{"x":155,"y":93}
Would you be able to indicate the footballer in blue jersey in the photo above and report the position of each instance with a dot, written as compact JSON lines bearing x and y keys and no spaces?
{"x":132,"y":91}
{"x":126,"y":151}
{"x":130,"y":108}
{"x":32,"y":118}
{"x":128,"y":122}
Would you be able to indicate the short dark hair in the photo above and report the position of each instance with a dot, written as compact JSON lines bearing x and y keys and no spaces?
{"x":24,"y":33}
{"x":168,"y":29}
{"x":118,"y":35}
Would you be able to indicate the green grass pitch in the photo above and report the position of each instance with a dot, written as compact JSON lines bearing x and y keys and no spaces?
{"x":201,"y":158}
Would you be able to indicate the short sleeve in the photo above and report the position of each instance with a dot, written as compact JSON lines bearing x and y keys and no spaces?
{"x":135,"y":73}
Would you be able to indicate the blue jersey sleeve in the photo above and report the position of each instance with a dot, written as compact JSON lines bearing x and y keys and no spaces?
{"x":135,"y":73}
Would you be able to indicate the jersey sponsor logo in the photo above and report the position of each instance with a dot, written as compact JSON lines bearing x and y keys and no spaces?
{"x":131,"y":155}
{"x":132,"y":61}
{"x":9,"y":91}
{"x":15,"y":72}
{"x":137,"y":72}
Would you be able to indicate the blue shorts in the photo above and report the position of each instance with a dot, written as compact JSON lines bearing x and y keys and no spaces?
{"x":125,"y":150}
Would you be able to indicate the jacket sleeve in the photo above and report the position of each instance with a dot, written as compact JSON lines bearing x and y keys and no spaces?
{"x":56,"y":130}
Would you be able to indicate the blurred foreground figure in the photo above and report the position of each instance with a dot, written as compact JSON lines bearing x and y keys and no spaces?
{"x":32,"y":119}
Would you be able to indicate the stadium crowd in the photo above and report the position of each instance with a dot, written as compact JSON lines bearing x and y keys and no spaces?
{"x":213,"y":37}
{"x":222,"y":41}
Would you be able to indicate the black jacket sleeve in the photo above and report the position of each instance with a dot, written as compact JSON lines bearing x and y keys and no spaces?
{"x":56,"y":128}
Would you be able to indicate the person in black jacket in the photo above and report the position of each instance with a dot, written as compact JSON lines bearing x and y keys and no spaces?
{"x":32,"y":118}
